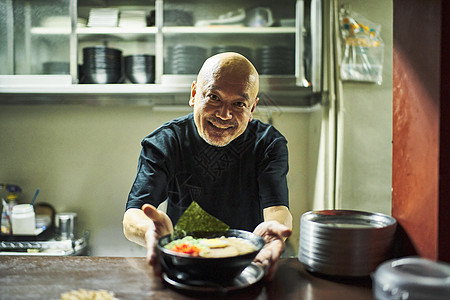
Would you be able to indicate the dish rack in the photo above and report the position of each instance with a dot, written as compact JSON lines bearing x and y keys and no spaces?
{"x":70,"y":247}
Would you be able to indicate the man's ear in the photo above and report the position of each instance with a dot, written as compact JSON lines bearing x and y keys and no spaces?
{"x":253,"y":109}
{"x":193,"y":92}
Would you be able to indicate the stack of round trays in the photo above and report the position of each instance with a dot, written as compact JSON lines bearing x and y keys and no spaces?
{"x":247,"y":52}
{"x":275,"y":60}
{"x":140,"y":68}
{"x":345,"y":242}
{"x":184,"y":59}
{"x":102,"y":65}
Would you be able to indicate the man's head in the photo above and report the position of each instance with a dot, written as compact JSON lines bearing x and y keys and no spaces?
{"x":224,"y":97}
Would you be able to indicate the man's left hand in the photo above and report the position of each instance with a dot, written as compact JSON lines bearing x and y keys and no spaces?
{"x":274,"y":234}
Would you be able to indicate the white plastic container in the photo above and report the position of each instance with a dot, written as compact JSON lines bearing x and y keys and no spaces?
{"x":412,"y":278}
{"x":23,"y":220}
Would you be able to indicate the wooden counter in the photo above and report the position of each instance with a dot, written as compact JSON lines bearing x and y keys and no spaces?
{"x":41,"y":277}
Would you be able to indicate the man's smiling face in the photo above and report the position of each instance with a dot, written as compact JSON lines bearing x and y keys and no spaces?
{"x":224,"y":98}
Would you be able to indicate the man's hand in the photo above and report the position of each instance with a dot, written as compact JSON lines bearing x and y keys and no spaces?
{"x":161,"y":225}
{"x":274,"y":234}
{"x":144,"y":227}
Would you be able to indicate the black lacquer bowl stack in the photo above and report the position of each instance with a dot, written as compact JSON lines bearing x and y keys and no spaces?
{"x":140,"y":68}
{"x":101,"y":65}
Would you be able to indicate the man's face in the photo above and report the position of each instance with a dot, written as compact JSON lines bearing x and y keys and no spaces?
{"x":223,"y":106}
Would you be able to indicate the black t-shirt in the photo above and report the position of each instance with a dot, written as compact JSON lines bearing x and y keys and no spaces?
{"x":233,"y":183}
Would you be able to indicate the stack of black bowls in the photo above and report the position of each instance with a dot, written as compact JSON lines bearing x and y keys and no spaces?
{"x":275,"y":60}
{"x":140,"y":68}
{"x":101,"y":65}
{"x":184,"y":59}
{"x":247,"y":52}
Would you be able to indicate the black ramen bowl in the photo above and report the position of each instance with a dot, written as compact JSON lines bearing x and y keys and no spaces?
{"x":222,"y":270}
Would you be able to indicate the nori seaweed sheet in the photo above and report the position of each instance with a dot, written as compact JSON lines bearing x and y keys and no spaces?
{"x":195,"y":219}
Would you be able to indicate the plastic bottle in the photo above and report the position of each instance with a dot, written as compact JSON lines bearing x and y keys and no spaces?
{"x":6,"y":224}
{"x":11,"y":201}
{"x":23,"y":220}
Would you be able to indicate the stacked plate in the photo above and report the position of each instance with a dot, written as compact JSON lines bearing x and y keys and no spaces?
{"x":101,"y":65}
{"x":184,"y":59}
{"x":103,"y":17}
{"x":140,"y":68}
{"x":56,"y":67}
{"x":345,"y":242}
{"x":275,"y":60}
{"x":177,"y":17}
{"x":247,"y":52}
{"x":133,"y":18}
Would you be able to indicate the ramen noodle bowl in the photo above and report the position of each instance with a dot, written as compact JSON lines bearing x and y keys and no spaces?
{"x":220,"y":258}
{"x":213,"y":247}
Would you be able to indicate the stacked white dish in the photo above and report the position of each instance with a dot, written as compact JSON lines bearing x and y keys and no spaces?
{"x":103,"y":17}
{"x":345,"y":243}
{"x":133,"y":18}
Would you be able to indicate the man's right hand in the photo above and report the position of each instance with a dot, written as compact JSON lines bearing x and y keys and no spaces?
{"x":144,"y":227}
{"x":161,"y":226}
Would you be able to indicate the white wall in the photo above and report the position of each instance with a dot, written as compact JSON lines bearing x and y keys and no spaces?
{"x":84,"y":158}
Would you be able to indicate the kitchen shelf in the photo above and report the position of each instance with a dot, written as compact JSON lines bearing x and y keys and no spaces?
{"x":115,"y":30}
{"x":229,"y":29}
{"x":122,"y":32}
{"x":274,"y":92}
{"x":95,"y":89}
{"x":83,"y":31}
{"x":58,"y":84}
{"x":88,"y":33}
{"x":303,"y":100}
{"x":50,"y":30}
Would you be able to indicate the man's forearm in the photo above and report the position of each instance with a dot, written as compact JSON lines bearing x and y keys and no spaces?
{"x":280,"y":214}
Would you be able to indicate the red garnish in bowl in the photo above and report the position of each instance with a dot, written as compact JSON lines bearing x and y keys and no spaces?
{"x":186,"y":248}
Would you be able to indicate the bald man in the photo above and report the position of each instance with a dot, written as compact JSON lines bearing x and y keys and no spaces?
{"x":233,"y":166}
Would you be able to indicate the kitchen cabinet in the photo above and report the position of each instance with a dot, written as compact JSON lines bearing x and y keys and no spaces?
{"x":34,"y":37}
{"x":278,"y":39}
